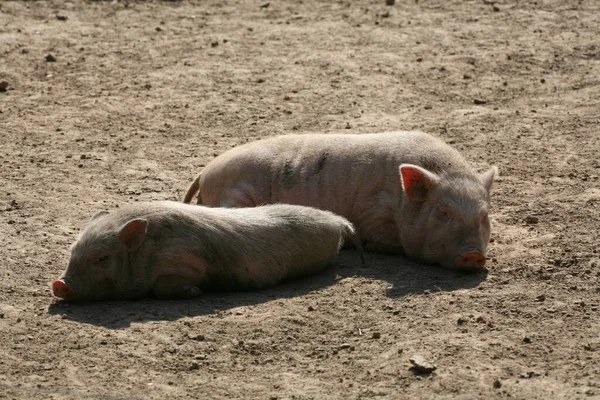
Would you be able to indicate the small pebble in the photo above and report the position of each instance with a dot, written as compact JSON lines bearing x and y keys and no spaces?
{"x":3,"y":85}
{"x":376,"y":335}
{"x":266,"y":4}
{"x":497,"y":384}
{"x":531,"y":219}
{"x":61,"y":17}
{"x":479,"y":101}
{"x":50,"y":58}
{"x":194,"y":365}
{"x":540,"y":297}
{"x":197,"y":337}
{"x":421,"y":364}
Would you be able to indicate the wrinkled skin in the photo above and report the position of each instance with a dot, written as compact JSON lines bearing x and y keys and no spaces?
{"x":172,"y":250}
{"x":455,"y":210}
{"x":405,"y":192}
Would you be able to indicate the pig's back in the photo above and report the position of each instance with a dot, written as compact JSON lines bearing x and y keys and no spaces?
{"x":335,"y":172}
{"x":251,"y":248}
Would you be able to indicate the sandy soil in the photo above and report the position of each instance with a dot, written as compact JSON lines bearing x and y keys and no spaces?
{"x":141,"y":95}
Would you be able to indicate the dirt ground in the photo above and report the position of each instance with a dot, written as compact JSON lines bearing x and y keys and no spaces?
{"x":141,"y":95}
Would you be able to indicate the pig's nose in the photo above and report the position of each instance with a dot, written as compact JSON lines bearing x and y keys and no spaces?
{"x":62,"y":289}
{"x":472,"y":260}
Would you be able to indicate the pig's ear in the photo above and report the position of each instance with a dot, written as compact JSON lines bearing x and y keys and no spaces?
{"x":98,"y":215}
{"x":132,"y":234}
{"x":417,"y":182}
{"x":487,"y":178}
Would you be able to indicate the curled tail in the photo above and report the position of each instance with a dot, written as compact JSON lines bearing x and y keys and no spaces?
{"x":192,"y":190}
{"x":351,"y":235}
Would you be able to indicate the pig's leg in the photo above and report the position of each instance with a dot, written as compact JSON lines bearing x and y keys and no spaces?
{"x":379,"y":234}
{"x":243,"y":195}
{"x":174,"y":287}
{"x":235,"y":203}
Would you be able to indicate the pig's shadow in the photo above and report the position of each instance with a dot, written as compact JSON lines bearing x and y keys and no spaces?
{"x":403,"y":277}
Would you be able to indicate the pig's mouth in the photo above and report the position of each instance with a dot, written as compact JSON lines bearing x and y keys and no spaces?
{"x":63,"y":290}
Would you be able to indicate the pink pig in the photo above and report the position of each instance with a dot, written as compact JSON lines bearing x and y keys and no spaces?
{"x":405,"y":192}
{"x":173,"y":250}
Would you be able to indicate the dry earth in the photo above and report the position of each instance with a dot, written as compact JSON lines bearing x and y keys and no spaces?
{"x":141,"y":95}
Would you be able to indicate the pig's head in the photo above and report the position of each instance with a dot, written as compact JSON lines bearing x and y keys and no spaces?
{"x":100,"y":259}
{"x":445,"y":218}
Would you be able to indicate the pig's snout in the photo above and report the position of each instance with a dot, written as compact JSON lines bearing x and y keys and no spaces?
{"x":472,"y":260}
{"x":62,"y":289}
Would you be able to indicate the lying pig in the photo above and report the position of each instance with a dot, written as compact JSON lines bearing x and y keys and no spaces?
{"x":173,"y":250}
{"x":405,"y":192}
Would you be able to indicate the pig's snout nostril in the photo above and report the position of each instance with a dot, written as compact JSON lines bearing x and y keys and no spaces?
{"x":473,"y":260}
{"x":61,"y":289}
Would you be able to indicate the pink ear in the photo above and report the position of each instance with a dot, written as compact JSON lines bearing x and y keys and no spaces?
{"x":133,"y":233}
{"x":417,"y":182}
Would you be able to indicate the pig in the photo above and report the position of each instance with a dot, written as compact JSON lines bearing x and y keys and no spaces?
{"x":174,"y":251}
{"x":405,"y":192}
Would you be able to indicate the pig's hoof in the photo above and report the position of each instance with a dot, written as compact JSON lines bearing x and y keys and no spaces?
{"x":472,"y":261}
{"x":186,"y":292}
{"x":180,"y":292}
{"x":193,"y":291}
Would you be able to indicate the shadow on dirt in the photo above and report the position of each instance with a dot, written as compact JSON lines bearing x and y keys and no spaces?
{"x":404,"y":277}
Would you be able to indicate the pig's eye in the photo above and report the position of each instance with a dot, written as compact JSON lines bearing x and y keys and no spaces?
{"x":444,"y":213}
{"x":102,"y":259}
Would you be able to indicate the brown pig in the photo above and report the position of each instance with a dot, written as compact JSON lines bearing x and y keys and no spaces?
{"x":173,"y":250}
{"x":406,"y":192}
